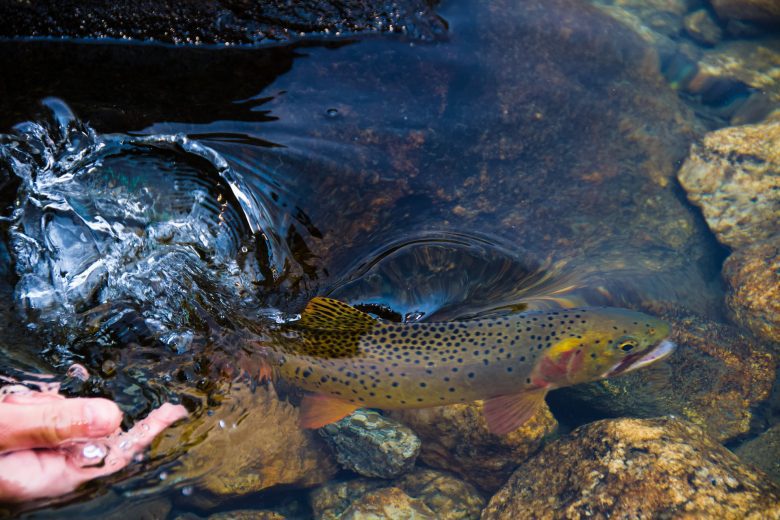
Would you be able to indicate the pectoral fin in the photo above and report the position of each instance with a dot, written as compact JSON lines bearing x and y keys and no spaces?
{"x":317,"y":410}
{"x":506,"y":413}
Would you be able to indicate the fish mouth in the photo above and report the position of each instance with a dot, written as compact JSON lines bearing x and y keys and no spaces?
{"x":640,"y":359}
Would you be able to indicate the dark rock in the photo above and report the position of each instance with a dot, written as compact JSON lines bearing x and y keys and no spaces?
{"x":763,"y":452}
{"x":372,"y":445}
{"x":763,"y":11}
{"x":213,"y":21}
{"x":630,"y":468}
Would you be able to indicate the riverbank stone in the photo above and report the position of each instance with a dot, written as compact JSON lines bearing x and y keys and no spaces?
{"x":763,"y":452}
{"x":633,"y":468}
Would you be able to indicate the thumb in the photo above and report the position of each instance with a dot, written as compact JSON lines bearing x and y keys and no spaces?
{"x":48,"y":424}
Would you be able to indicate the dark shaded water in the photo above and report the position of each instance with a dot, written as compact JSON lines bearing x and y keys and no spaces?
{"x":526,"y":157}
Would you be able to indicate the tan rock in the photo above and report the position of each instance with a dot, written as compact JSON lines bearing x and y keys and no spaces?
{"x":733,"y":175}
{"x":634,"y":468}
{"x":753,"y":278}
{"x":253,"y":442}
{"x":422,"y":494}
{"x":247,"y":514}
{"x":763,"y":452}
{"x":456,"y":438}
{"x":764,"y":11}
{"x":754,"y":62}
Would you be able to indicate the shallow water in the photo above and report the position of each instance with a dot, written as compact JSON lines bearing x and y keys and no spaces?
{"x":172,"y":199}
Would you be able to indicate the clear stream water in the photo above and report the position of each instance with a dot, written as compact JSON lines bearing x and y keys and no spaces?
{"x":162,"y":200}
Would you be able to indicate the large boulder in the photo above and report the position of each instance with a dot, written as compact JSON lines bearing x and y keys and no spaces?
{"x":631,"y":468}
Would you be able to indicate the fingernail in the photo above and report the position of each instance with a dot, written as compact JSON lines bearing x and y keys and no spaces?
{"x":103,"y":417}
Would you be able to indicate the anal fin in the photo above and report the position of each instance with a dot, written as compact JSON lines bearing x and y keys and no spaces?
{"x":317,"y":410}
{"x":506,"y":413}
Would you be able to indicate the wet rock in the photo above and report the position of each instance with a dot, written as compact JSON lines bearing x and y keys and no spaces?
{"x":753,"y":62}
{"x":213,"y":21}
{"x":753,"y":278}
{"x":713,"y":379}
{"x":423,"y":494}
{"x":701,"y":26}
{"x":630,"y":468}
{"x":372,"y":445}
{"x":763,"y":452}
{"x":764,"y":11}
{"x":253,"y":442}
{"x":733,"y":175}
{"x":456,"y":438}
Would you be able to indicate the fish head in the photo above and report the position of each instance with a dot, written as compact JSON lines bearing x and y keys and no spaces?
{"x":603,"y":342}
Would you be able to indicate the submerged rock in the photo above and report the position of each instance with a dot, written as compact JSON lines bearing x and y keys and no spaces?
{"x":253,"y":442}
{"x":702,"y":27}
{"x":422,"y":494}
{"x":714,"y":379}
{"x":753,"y":63}
{"x":763,"y":452}
{"x":631,"y":468}
{"x":372,"y":445}
{"x":753,"y":278}
{"x":764,"y":11}
{"x":456,"y":438}
{"x":733,"y":175}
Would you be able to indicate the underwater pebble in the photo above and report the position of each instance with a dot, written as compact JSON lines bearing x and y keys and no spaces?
{"x":456,"y":438}
{"x":636,"y":468}
{"x":421,"y":494}
{"x":372,"y":445}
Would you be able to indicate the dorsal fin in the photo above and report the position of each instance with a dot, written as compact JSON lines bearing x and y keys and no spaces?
{"x":327,"y":314}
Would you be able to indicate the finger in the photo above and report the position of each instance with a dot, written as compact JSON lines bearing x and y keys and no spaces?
{"x":48,"y":424}
{"x":123,"y":448}
{"x":31,"y":474}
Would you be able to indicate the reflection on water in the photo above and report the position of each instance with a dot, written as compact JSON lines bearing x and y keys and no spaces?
{"x":526,"y":162}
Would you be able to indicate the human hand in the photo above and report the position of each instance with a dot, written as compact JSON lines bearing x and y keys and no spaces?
{"x":50,"y":445}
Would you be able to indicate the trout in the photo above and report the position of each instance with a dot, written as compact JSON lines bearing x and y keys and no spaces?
{"x":346,"y":359}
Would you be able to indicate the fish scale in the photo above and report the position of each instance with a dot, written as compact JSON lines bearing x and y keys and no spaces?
{"x":347,"y":359}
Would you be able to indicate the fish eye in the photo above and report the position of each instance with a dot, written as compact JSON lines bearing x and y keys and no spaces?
{"x":627,"y":344}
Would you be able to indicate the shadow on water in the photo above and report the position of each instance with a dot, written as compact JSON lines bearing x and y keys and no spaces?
{"x":527,"y":160}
